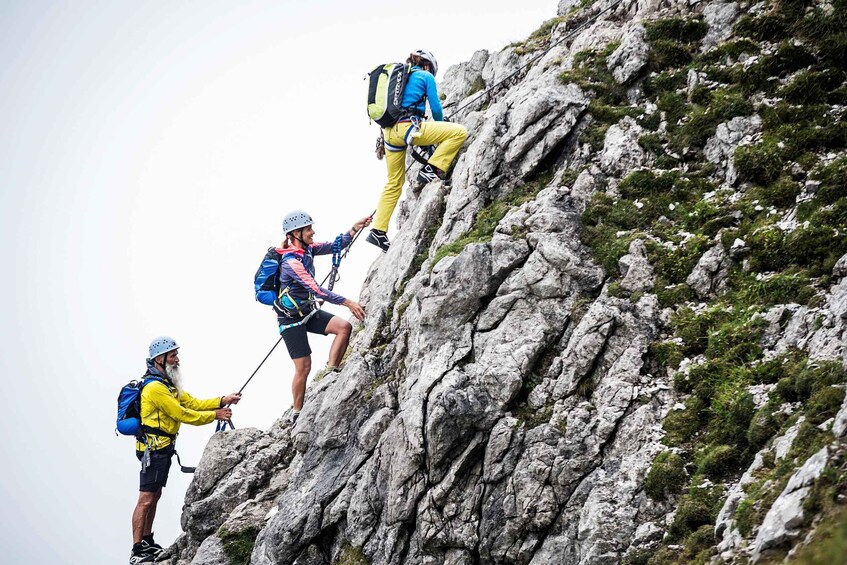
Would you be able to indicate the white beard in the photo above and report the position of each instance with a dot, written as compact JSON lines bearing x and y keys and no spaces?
{"x":175,"y":376}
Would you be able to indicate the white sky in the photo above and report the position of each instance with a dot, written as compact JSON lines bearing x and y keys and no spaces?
{"x":148,"y":153}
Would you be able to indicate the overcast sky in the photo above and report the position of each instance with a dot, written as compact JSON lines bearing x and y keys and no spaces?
{"x":148,"y":153}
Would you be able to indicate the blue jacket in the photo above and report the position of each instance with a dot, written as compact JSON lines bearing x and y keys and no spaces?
{"x":297,"y":272}
{"x":422,"y":83}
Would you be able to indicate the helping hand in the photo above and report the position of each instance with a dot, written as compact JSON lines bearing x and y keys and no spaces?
{"x":362,"y":224}
{"x":223,"y":414}
{"x":231,"y":399}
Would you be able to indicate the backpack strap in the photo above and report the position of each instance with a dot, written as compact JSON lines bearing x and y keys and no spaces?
{"x":286,"y":292}
{"x":150,"y":430}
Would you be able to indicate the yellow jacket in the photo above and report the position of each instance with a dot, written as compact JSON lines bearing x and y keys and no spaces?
{"x":164,"y":408}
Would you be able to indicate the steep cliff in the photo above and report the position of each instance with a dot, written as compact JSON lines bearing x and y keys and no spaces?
{"x":619,"y":336}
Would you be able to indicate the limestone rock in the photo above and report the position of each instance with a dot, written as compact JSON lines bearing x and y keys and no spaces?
{"x":839,"y":427}
{"x":840,"y":268}
{"x":636,"y":269}
{"x":720,"y":148}
{"x":786,"y":515}
{"x":463,"y":81}
{"x":211,"y":552}
{"x":566,"y":5}
{"x":621,"y":151}
{"x":628,"y":60}
{"x":720,"y":17}
{"x":708,"y":279}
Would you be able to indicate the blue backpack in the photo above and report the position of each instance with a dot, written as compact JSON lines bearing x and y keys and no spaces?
{"x":129,"y":406}
{"x":266,"y":280}
{"x":266,"y":283}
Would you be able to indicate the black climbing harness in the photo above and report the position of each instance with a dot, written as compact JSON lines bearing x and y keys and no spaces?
{"x":148,"y":431}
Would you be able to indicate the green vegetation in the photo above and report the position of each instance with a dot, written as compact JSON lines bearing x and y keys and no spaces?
{"x":666,"y":477}
{"x":532,"y":417}
{"x":673,"y":41}
{"x":698,"y":507}
{"x":539,"y":38}
{"x":829,"y":544}
{"x":351,"y":555}
{"x":775,"y":475}
{"x":796,"y":85}
{"x":238,"y":546}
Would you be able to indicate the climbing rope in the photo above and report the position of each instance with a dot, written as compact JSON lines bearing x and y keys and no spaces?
{"x":332,"y":276}
{"x":529,"y":63}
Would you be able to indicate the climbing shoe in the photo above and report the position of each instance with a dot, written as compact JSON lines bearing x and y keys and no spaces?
{"x":292,"y":416}
{"x":152,"y":547}
{"x":141,"y":554}
{"x":379,"y":238}
{"x":428,"y":173}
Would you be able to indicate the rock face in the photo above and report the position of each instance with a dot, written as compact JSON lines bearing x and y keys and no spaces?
{"x":621,"y":151}
{"x":630,"y":58}
{"x":786,"y":515}
{"x":503,"y":401}
{"x":708,"y":279}
{"x":730,"y":135}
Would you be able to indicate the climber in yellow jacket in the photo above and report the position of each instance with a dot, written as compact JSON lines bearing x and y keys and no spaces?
{"x":420,"y":89}
{"x":165,"y":405}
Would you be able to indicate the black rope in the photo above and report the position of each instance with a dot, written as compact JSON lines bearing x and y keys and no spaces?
{"x":529,"y":63}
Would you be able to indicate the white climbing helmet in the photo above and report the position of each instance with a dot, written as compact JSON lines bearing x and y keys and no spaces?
{"x":295,"y":220}
{"x":428,"y":56}
{"x":162,"y":344}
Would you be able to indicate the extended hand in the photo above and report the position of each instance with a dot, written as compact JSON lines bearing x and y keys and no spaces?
{"x":223,"y":414}
{"x":363,"y":223}
{"x":355,"y":309}
{"x":231,"y":399}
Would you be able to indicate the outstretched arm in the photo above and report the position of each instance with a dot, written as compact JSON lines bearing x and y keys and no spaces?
{"x":325,"y":247}
{"x":360,"y":225}
{"x":161,"y":397}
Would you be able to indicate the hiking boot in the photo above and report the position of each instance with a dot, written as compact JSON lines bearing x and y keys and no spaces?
{"x":428,"y":173}
{"x":141,"y":554}
{"x":379,"y":238}
{"x":150,"y":545}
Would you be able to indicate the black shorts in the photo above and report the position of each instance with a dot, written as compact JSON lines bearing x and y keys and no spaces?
{"x":295,"y":338}
{"x":156,"y":475}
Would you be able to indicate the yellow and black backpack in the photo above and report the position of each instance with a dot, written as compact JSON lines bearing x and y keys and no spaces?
{"x":385,"y":93}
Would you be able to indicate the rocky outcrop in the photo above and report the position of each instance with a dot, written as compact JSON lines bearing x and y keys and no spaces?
{"x":708,"y":279}
{"x":786,"y":515}
{"x":507,"y":396}
{"x":621,"y":151}
{"x":629,"y":59}
{"x":730,"y":135}
{"x":720,"y":17}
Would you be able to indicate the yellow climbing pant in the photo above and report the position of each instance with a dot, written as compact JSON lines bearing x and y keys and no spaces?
{"x":449,"y":138}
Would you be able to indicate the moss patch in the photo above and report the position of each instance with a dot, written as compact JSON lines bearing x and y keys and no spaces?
{"x":238,"y":546}
{"x":666,"y":477}
{"x":351,"y":555}
{"x":673,"y":41}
